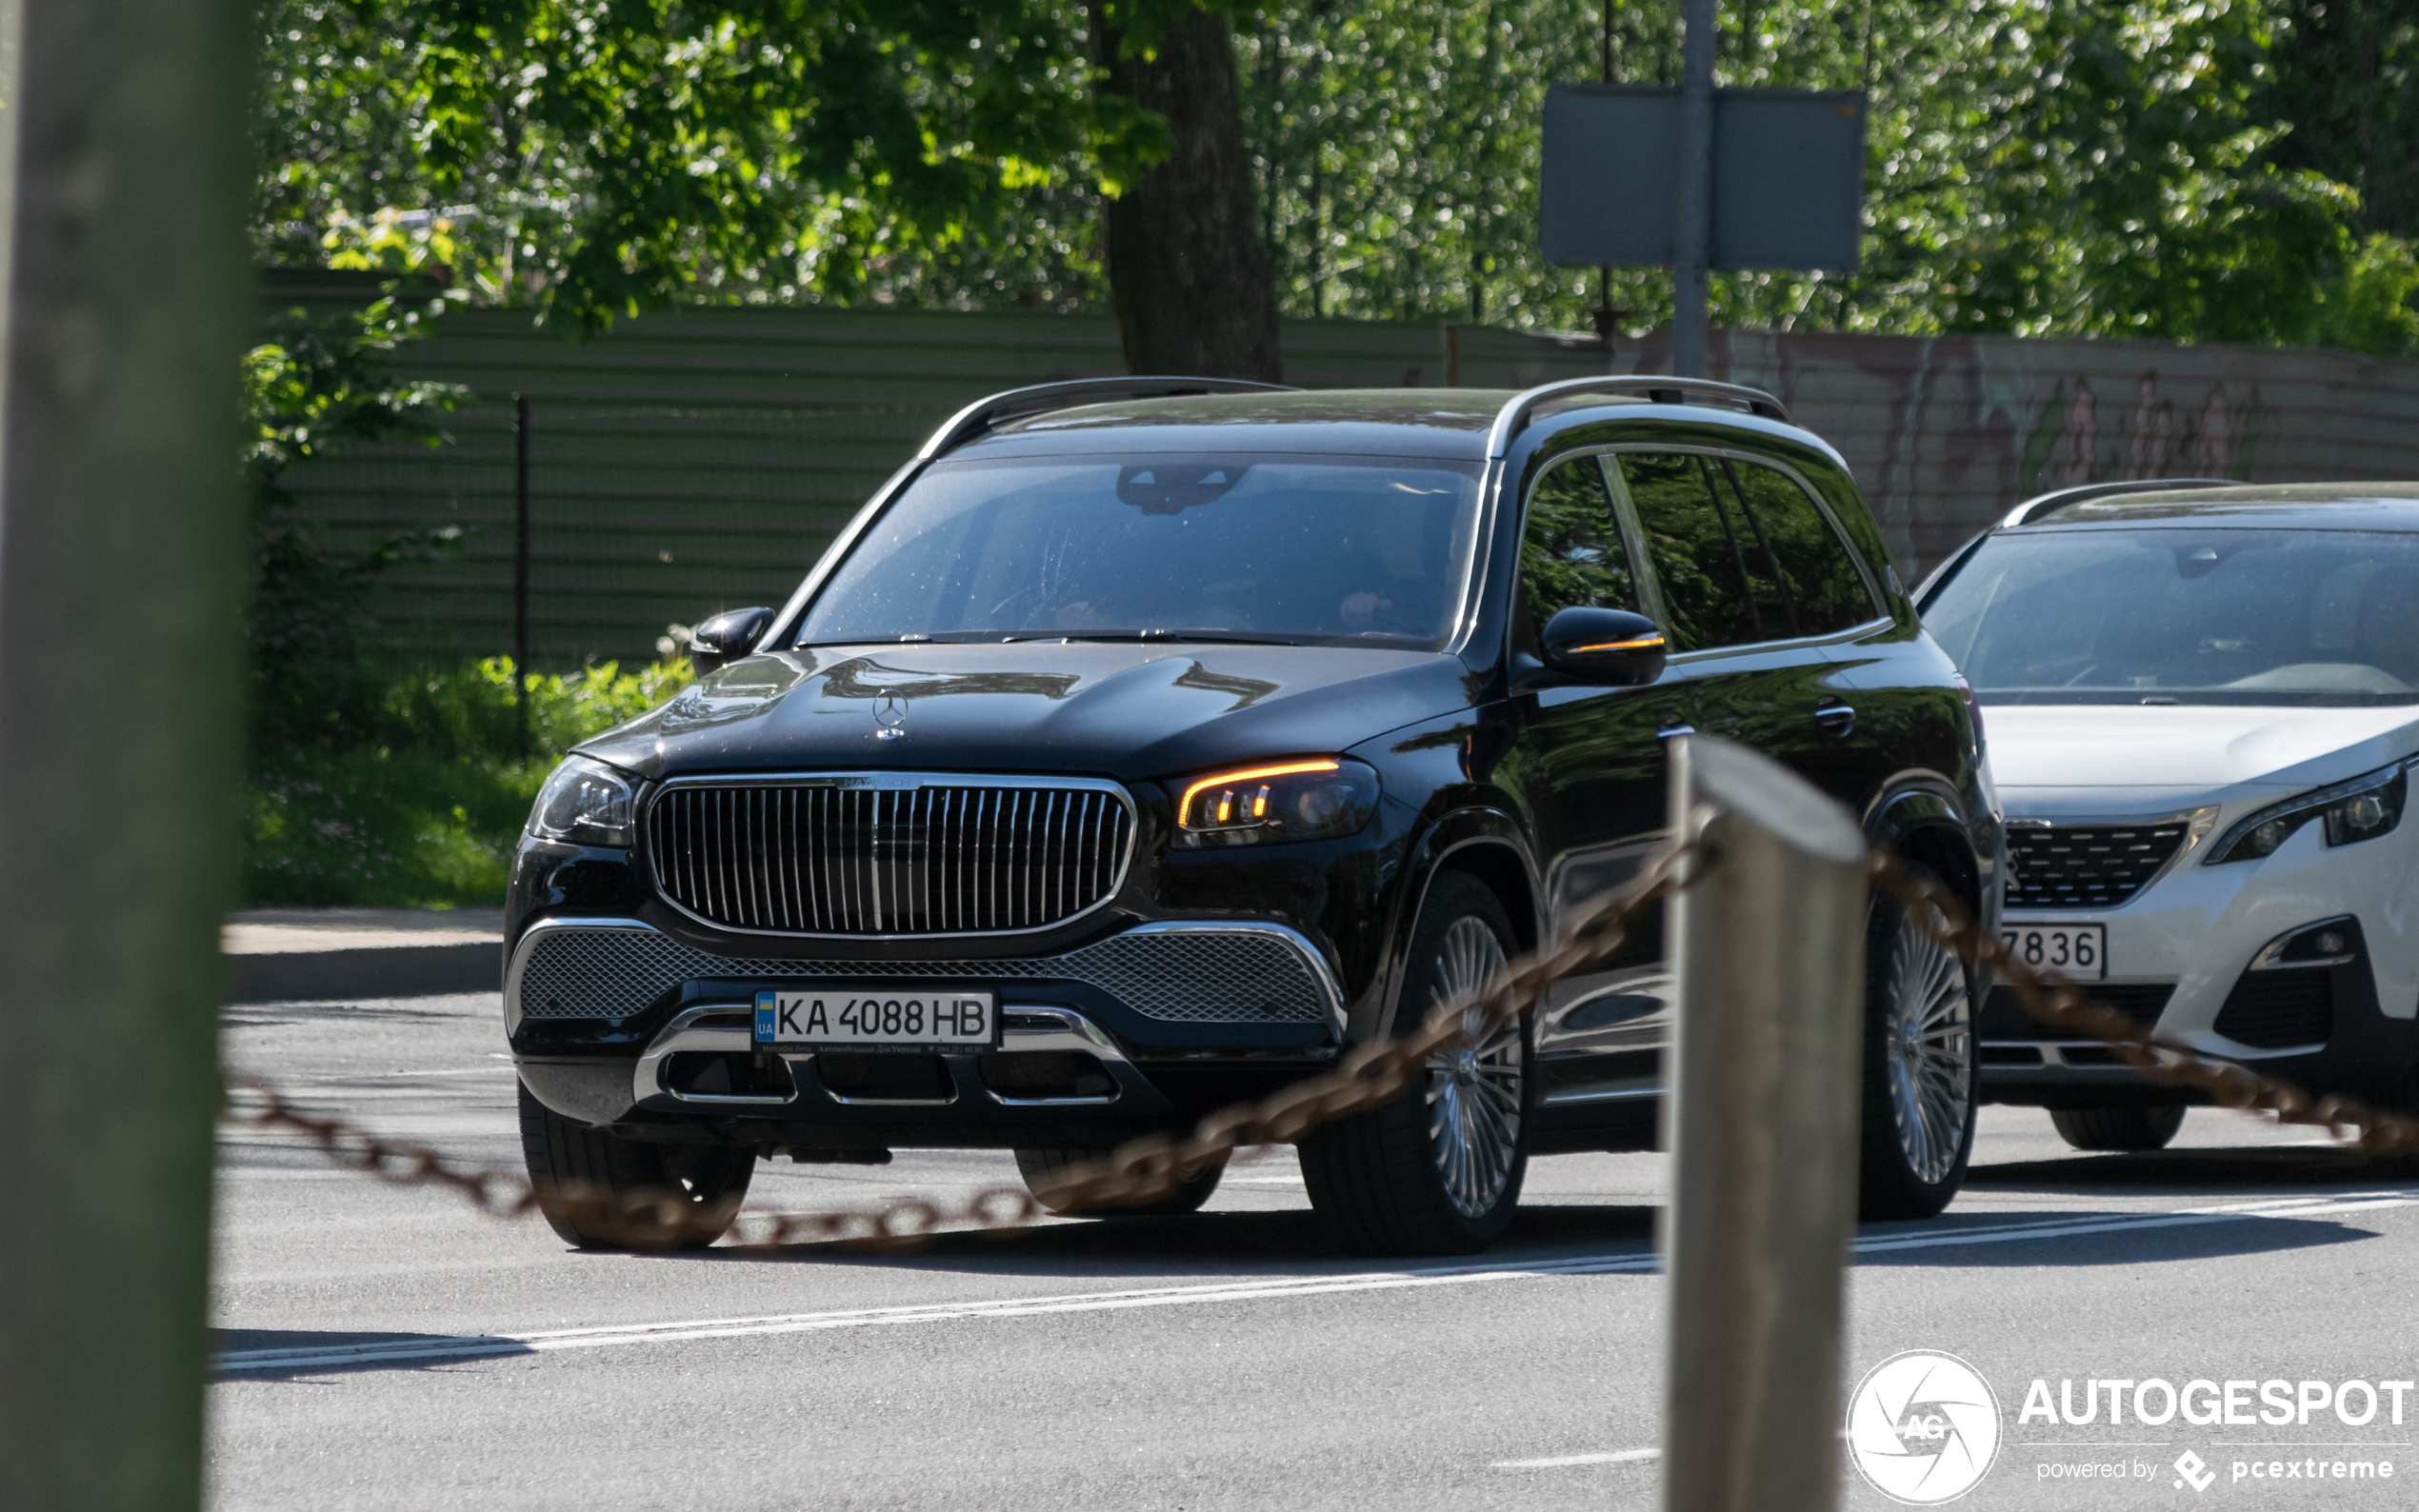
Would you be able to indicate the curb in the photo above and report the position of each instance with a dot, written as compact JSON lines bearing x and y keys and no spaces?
{"x":379,"y":971}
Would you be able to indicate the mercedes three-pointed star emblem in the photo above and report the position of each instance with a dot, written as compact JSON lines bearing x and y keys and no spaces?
{"x":890,"y":711}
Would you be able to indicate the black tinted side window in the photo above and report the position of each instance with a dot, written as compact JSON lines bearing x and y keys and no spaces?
{"x":1718,"y":585}
{"x":1819,"y":578}
{"x":1571,"y":553}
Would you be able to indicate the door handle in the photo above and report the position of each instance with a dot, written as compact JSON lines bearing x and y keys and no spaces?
{"x":1838,"y":718}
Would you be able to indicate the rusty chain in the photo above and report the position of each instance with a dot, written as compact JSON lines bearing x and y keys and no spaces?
{"x":1139,"y":1171}
{"x":1368,"y":1076}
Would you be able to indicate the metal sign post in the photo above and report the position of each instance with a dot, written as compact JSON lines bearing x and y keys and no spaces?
{"x":1693,"y":239}
{"x":1698,"y":178}
{"x":1762,"y":1119}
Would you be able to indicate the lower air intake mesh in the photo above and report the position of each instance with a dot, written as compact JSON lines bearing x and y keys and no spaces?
{"x":1189,"y":976}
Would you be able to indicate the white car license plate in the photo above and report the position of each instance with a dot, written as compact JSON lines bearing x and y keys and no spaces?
{"x":877,"y":1015}
{"x":2079,"y":952}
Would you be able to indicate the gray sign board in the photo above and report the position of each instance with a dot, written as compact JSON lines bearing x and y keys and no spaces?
{"x":1788,"y":177}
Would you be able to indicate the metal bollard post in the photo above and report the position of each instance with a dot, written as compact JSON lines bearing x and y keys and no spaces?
{"x":1770,"y":951}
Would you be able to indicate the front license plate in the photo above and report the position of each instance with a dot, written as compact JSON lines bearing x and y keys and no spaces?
{"x":2079,"y":952}
{"x":874,"y":1015}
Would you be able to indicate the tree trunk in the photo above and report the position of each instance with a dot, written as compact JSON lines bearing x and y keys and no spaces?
{"x":1186,"y":274}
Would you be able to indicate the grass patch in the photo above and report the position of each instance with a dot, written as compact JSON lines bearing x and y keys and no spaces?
{"x":422,"y":806}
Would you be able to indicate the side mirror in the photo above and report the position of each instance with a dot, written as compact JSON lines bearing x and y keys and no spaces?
{"x":726,"y":637}
{"x":1604,"y":645}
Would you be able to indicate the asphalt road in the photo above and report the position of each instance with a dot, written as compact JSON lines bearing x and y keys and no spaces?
{"x":388,"y":1348}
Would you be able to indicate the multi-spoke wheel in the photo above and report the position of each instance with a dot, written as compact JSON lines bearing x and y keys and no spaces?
{"x":1474,"y":1090}
{"x":1437,"y":1171}
{"x":1920,"y":1069}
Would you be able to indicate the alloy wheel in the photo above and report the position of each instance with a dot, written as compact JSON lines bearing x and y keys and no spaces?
{"x":1929,"y":1049}
{"x":1474,"y":1090}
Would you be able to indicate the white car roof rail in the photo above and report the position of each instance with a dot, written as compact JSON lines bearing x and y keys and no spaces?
{"x":1040,"y":398}
{"x":2042,"y":503}
{"x":1657,"y":390}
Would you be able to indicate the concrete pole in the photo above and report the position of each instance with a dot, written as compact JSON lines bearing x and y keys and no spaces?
{"x":1763,"y":1119}
{"x":121,"y":573}
{"x":1693,"y":247}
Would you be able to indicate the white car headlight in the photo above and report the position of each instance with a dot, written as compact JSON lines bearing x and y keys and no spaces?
{"x":586,"y":803}
{"x":2363,"y":809}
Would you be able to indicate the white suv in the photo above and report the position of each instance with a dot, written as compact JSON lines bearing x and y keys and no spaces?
{"x":2204,"y":708}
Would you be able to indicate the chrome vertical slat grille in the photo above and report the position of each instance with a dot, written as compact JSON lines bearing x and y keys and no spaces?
{"x":920,"y":857}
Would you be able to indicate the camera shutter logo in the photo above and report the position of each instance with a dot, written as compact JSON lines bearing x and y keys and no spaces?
{"x":890,"y":711}
{"x":1922,"y":1427}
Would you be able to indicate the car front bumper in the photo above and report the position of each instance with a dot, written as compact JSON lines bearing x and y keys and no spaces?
{"x":2208,"y":956}
{"x":616,"y":1022}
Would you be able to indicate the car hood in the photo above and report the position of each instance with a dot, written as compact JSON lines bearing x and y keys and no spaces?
{"x":1131,"y":713}
{"x":2125,"y":758}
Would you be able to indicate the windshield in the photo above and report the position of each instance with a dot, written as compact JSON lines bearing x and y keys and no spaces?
{"x":1289,"y":548}
{"x":2186,"y":616}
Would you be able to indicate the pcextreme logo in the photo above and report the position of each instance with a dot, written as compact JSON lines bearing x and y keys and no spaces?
{"x":1922,"y":1427}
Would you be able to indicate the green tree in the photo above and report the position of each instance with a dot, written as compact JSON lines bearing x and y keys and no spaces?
{"x":2034,"y":166}
{"x":317,"y":385}
{"x":592,"y":158}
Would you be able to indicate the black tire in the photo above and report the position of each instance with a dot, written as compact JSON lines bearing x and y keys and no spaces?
{"x":1378,"y":1179}
{"x":702,"y":1184}
{"x":1922,"y":1094}
{"x":1038,"y":1166}
{"x":2404,"y":1099}
{"x":2118,"y":1129}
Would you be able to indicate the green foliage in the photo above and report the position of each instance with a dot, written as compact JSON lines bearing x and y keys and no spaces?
{"x":2035,"y":166}
{"x":2194,"y":169}
{"x":2375,"y":305}
{"x":593,"y":158}
{"x":2344,"y":91}
{"x":422,"y":809}
{"x":315,"y":387}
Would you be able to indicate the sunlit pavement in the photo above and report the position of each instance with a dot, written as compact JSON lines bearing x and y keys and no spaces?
{"x":389,"y":1348}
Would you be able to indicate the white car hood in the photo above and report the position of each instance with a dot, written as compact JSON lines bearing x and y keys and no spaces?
{"x":2050,"y":758}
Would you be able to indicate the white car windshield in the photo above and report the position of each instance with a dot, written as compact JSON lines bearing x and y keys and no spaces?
{"x":1286,"y":549}
{"x":2182,"y":615}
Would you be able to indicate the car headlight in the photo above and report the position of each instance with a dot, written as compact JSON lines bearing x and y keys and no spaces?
{"x":2363,"y":809}
{"x":585,"y":802}
{"x":1315,"y":799}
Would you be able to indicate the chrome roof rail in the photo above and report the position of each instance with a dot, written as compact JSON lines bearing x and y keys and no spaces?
{"x":1041,"y":398}
{"x":1657,"y":390}
{"x":2085,"y":491}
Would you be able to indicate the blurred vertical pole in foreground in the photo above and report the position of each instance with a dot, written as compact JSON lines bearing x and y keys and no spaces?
{"x":121,"y":561}
{"x":1770,"y":947}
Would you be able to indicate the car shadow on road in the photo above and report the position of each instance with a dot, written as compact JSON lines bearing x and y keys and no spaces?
{"x":2215,"y":1173}
{"x":2068,"y":1241}
{"x":290,"y":1354}
{"x":1211,"y":1245}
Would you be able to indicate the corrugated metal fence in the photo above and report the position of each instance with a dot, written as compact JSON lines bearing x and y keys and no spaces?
{"x":699,"y":461}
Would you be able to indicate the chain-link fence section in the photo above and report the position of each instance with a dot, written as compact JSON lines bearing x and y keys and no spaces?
{"x":1370,"y":1076}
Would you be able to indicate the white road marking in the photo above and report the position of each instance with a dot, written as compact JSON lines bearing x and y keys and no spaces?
{"x":473,"y":1347}
{"x":1557,"y":1460}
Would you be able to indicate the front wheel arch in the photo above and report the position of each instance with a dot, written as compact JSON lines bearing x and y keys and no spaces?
{"x":1481,"y":843}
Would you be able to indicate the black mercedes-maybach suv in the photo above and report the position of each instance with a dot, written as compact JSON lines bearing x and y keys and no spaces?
{"x":1144,"y":744}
